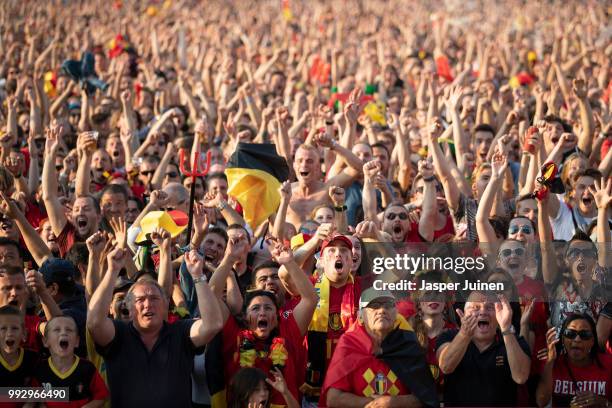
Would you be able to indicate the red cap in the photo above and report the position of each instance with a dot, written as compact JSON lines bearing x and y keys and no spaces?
{"x":337,"y":237}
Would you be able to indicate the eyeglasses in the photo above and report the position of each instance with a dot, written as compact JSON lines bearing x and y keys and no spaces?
{"x":525,"y":229}
{"x":392,"y":216}
{"x":586,"y":253}
{"x":583,"y":334}
{"x":172,"y":174}
{"x":508,"y":252}
{"x":389,"y":304}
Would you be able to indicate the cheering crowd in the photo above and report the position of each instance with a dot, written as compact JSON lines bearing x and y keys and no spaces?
{"x":191,"y":193}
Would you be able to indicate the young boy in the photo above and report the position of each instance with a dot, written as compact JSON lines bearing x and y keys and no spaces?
{"x":64,"y":369}
{"x":16,"y":363}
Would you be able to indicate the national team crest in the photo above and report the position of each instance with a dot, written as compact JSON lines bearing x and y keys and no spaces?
{"x":380,"y":384}
{"x":335,"y":321}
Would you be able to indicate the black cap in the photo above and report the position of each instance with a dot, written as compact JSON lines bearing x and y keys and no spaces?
{"x":58,"y":271}
{"x":122,"y":283}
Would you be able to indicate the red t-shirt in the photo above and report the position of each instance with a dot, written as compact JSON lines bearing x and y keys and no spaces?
{"x":593,"y":378}
{"x":293,"y":369}
{"x":66,"y":239}
{"x":532,"y":289}
{"x":33,"y":341}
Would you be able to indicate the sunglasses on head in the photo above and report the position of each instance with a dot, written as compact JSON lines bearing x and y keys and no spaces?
{"x":525,"y":229}
{"x":586,"y":253}
{"x":583,"y":334}
{"x":392,"y":216}
{"x":517,"y":251}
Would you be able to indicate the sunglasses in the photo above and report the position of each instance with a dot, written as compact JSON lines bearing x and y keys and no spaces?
{"x":508,"y":252}
{"x":586,"y":253}
{"x":378,"y":305}
{"x":583,"y":334}
{"x":525,"y":229}
{"x":172,"y":174}
{"x":421,"y":189}
{"x":392,"y":216}
{"x":147,"y":172}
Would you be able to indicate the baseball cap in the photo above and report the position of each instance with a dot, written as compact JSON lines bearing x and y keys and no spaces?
{"x":58,"y":271}
{"x":371,"y":294}
{"x":174,"y":222}
{"x":337,"y":237}
{"x":122,"y":283}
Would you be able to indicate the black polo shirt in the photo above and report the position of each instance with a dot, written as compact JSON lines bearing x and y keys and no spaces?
{"x":482,"y":379}
{"x":160,"y":378}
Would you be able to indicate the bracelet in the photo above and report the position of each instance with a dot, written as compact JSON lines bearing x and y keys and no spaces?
{"x":222,"y":205}
{"x":202,"y":278}
{"x":340,"y":208}
{"x":329,"y":122}
{"x":429,"y":180}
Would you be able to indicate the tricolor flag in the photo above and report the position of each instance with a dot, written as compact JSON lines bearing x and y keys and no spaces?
{"x":254,"y":173}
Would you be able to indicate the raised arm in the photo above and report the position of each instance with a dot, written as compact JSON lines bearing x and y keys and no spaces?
{"x":585,"y":140}
{"x":55,"y":210}
{"x":95,"y":245}
{"x":99,"y":324}
{"x":450,"y":354}
{"x":308,"y":297}
{"x":211,"y":321}
{"x":443,"y":170}
{"x":485,"y":230}
{"x":368,"y":195}
{"x":281,"y":215}
{"x":602,"y":192}
{"x":86,"y":146}
{"x":162,"y":239}
{"x":518,"y":360}
{"x":429,"y":206}
{"x":35,"y":245}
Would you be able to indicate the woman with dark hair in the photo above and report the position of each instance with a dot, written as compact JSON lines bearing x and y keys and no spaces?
{"x":261,"y":337}
{"x":430,"y":320}
{"x":249,"y":389}
{"x":576,"y":373}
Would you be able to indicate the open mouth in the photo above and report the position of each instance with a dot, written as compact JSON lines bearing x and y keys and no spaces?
{"x":397,"y":229}
{"x":81,"y":221}
{"x":116,"y":153}
{"x":64,"y":344}
{"x":262,"y":324}
{"x":513,"y":264}
{"x":338,"y":265}
{"x":581,"y":268}
{"x":10,"y":343}
{"x":6,"y":225}
{"x":483,"y":324}
{"x":587,"y":201}
{"x":13,"y":302}
{"x":304,"y":173}
{"x":124,"y":312}
{"x":148,"y":315}
{"x":209,"y":258}
{"x":434,"y":306}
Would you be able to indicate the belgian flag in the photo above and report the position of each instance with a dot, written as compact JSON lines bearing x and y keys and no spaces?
{"x":254,"y":173}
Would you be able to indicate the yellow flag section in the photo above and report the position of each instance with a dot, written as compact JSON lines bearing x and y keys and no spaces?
{"x":256,"y":191}
{"x":254,"y":173}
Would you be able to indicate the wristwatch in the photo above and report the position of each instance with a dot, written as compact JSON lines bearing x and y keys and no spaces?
{"x":202,"y":278}
{"x":340,"y":208}
{"x":509,"y":330}
{"x":222,"y":205}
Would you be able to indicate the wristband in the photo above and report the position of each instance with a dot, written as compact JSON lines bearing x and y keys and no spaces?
{"x":222,"y":205}
{"x":340,"y":208}
{"x":429,"y":180}
{"x":329,"y":122}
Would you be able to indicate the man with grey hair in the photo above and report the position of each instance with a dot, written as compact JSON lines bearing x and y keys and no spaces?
{"x":148,"y":360}
{"x":478,"y":356}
